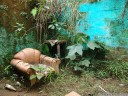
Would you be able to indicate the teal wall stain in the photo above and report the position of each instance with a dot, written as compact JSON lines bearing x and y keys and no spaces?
{"x":105,"y":21}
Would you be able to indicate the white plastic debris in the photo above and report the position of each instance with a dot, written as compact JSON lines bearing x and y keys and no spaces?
{"x":10,"y":87}
{"x":18,"y":83}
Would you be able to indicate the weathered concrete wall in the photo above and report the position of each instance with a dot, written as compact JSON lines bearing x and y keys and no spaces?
{"x":106,"y":21}
{"x":12,"y":41}
{"x":16,"y":12}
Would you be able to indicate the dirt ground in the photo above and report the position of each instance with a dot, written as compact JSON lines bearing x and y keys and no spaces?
{"x":21,"y":90}
{"x":85,"y":85}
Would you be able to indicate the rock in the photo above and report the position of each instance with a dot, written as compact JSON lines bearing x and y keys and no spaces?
{"x":121,"y":85}
{"x":72,"y":94}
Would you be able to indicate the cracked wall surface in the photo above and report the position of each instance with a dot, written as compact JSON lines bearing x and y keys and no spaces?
{"x":107,"y":21}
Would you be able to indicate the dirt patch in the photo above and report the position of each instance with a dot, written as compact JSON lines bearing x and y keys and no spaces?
{"x":21,"y":91}
{"x":65,"y":83}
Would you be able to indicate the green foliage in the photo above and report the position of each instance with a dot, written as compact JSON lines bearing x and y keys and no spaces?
{"x":118,"y":70}
{"x":24,"y":14}
{"x":12,"y":43}
{"x":80,"y":38}
{"x":93,"y":45}
{"x":5,"y":51}
{"x":43,"y":12}
{"x":41,"y":71}
{"x":82,"y":65}
{"x":56,"y":25}
{"x":114,"y":69}
{"x":45,"y":49}
{"x":78,"y":48}
{"x":3,"y":7}
{"x":38,"y":69}
{"x":32,"y":77}
{"x":102,"y":74}
{"x":19,"y":27}
{"x":34,"y":12}
{"x":80,"y":42}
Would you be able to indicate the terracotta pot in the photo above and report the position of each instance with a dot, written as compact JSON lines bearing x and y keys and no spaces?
{"x":28,"y":55}
{"x":50,"y":62}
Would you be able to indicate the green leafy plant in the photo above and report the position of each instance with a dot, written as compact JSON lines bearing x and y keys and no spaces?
{"x":62,"y":17}
{"x":3,"y":7}
{"x":41,"y":71}
{"x":81,"y":43}
{"x":102,"y":74}
{"x":56,"y":25}
{"x":81,"y":66}
{"x":12,"y":43}
{"x":34,"y":12}
{"x":78,"y":48}
{"x":24,"y":14}
{"x":110,"y":69}
{"x":6,"y":51}
{"x":43,"y":15}
{"x":118,"y":69}
{"x":19,"y":27}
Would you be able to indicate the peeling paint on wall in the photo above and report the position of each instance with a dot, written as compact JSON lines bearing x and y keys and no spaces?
{"x":107,"y":22}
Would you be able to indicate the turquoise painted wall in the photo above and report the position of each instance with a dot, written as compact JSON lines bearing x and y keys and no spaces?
{"x":106,"y":21}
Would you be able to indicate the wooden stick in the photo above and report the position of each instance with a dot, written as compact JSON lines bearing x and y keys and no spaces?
{"x":104,"y":90}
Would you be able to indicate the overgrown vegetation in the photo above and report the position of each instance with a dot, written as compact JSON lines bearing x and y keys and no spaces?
{"x":12,"y":43}
{"x":62,"y":23}
{"x":41,"y":71}
{"x":107,"y":68}
{"x":56,"y":19}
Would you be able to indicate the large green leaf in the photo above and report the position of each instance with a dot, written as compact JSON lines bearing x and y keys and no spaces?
{"x":34,"y":11}
{"x":81,"y":38}
{"x":78,"y":48}
{"x":34,"y":68}
{"x":92,"y":45}
{"x":39,"y":76}
{"x":51,"y":26}
{"x":41,"y":67}
{"x":32,"y":77}
{"x":72,"y":57}
{"x":85,"y":63}
{"x":77,"y":68}
{"x":75,"y":49}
